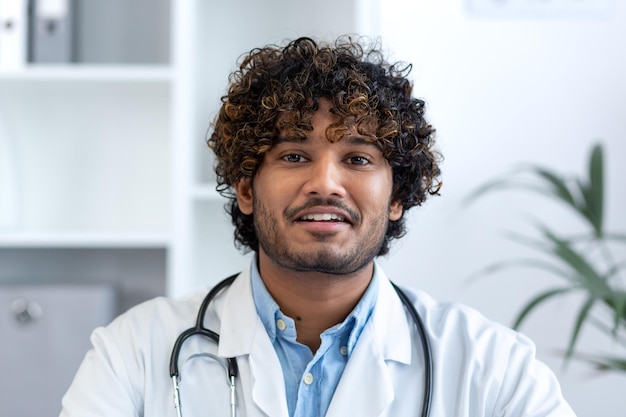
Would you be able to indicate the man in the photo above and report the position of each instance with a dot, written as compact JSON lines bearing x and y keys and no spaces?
{"x":321,"y":150}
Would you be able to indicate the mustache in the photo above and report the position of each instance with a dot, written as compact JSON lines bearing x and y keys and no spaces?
{"x":291,"y":212}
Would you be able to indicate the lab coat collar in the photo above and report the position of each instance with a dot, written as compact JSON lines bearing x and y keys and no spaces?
{"x":386,"y":337}
{"x":390,"y":327}
{"x":243,"y":333}
{"x":388,"y":323}
{"x":239,"y":320}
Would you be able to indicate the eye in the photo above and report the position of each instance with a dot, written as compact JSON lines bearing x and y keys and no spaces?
{"x":358,"y":160}
{"x":294,"y":158}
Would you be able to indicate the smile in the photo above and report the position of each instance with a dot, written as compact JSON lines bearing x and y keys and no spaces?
{"x":322,"y":217}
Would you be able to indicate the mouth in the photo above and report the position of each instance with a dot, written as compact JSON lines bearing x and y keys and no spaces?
{"x":322,"y":217}
{"x":323,"y":213}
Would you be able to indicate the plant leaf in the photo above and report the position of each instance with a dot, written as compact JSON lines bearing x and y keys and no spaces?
{"x":615,"y":236}
{"x":583,"y":270}
{"x":523,"y":262}
{"x":595,"y":187}
{"x":584,"y":209}
{"x":604,"y":363}
{"x":500,"y":184}
{"x":493,"y":268}
{"x":534,"y":302}
{"x":615,"y":269}
{"x":608,"y":363}
{"x":617,"y":302}
{"x":580,"y":319}
{"x":559,"y":187}
{"x":587,"y":238}
{"x":601,"y":325}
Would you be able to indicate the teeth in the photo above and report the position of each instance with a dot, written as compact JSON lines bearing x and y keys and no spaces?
{"x":322,"y":217}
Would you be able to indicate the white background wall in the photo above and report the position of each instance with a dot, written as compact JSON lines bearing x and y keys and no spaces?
{"x":500,"y":91}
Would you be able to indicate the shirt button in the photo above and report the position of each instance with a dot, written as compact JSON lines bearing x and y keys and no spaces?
{"x":280,"y":323}
{"x":308,"y":378}
{"x":343,"y":350}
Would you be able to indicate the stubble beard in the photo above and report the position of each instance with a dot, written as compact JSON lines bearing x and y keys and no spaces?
{"x":321,"y":259}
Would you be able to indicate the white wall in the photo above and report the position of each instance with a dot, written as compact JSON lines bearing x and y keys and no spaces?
{"x":502,"y":91}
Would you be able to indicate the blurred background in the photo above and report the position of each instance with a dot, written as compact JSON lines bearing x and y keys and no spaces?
{"x":107,"y":195}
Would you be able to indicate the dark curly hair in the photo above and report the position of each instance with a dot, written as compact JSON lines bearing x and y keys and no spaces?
{"x":370,"y":95}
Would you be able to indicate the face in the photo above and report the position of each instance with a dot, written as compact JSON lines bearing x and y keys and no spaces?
{"x":320,"y":206}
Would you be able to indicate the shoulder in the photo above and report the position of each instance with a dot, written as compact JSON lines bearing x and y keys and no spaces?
{"x":464,"y":325}
{"x":475,"y":357}
{"x":160,"y":318}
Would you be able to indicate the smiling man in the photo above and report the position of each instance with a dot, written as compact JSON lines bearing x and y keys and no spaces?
{"x":321,"y":150}
{"x":321,"y":204}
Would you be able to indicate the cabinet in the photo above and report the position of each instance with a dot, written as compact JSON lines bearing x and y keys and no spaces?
{"x":113,"y":174}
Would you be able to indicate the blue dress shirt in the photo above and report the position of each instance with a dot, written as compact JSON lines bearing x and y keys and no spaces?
{"x":311,"y":379}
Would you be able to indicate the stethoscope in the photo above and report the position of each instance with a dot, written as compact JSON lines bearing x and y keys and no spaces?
{"x":231,"y":363}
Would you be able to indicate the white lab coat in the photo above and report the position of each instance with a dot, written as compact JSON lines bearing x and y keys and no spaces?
{"x":480,"y":368}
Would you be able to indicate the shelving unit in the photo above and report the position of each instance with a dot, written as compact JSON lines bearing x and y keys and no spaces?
{"x":82,"y":240}
{"x":89,"y":73}
{"x":90,"y":142}
{"x":112,"y":164}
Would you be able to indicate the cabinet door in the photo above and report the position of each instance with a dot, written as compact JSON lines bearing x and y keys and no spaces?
{"x":45,"y":334}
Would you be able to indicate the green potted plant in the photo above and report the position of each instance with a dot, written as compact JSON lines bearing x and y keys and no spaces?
{"x":584,"y":263}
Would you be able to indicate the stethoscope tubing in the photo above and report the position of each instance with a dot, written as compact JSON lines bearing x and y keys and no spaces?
{"x":233,"y":371}
{"x":426,"y":350}
{"x":198,"y":328}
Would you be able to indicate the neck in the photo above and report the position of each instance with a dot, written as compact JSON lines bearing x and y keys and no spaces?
{"x":315,"y":301}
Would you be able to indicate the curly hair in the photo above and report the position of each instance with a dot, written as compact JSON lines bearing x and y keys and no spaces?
{"x":370,"y":95}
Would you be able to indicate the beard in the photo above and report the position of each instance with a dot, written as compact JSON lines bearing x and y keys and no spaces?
{"x":348,"y":259}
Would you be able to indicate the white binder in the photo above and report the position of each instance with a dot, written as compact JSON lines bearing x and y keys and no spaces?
{"x":13,"y":33}
{"x":51,"y":31}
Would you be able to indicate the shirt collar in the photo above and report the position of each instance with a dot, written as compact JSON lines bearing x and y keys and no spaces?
{"x":269,"y":312}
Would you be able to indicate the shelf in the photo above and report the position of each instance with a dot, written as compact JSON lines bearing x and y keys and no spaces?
{"x":83,"y":240}
{"x":89,"y":73}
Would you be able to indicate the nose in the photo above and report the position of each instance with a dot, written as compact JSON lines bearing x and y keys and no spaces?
{"x":325,"y":179}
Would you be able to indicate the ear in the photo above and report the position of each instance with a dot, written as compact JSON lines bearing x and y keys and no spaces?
{"x":243,"y":188}
{"x":395,"y":210}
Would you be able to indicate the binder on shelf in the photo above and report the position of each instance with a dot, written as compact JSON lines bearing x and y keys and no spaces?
{"x":51,"y":31}
{"x":13,"y":33}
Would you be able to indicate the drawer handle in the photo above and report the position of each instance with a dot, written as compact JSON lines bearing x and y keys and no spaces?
{"x":25,"y":312}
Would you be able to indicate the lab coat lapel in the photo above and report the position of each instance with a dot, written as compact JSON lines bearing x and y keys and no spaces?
{"x":268,"y":383}
{"x":243,"y":336}
{"x":366,"y":388}
{"x":238,"y":323}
